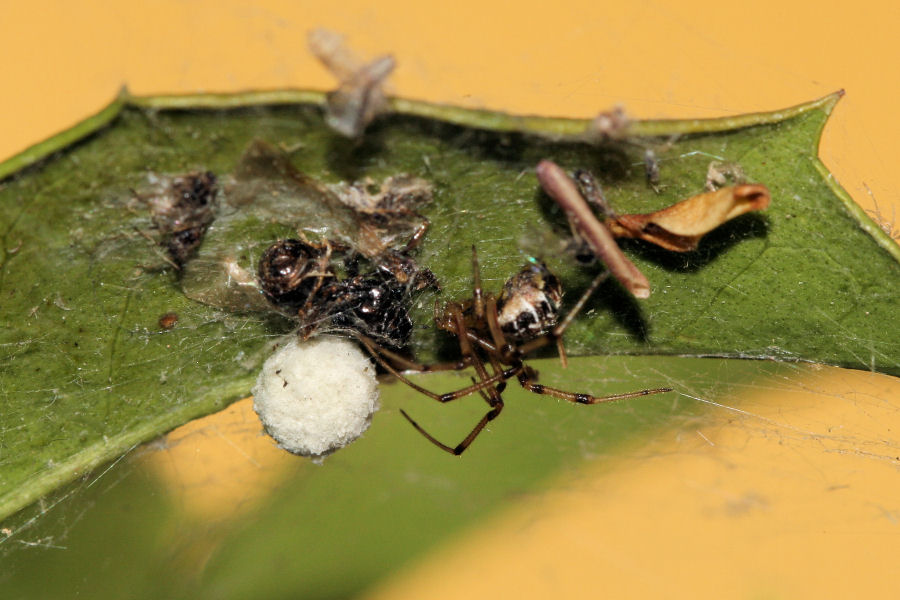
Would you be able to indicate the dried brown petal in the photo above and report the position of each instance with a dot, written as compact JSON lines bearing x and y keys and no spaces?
{"x":680,"y":226}
{"x":562,"y":189}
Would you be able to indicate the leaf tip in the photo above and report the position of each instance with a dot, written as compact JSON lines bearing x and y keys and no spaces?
{"x":827,"y":103}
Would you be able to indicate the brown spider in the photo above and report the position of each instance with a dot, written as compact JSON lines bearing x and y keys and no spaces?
{"x":499,"y":331}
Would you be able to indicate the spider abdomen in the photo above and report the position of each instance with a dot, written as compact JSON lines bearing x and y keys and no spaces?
{"x":530,"y":301}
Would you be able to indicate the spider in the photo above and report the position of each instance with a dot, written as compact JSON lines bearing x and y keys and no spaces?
{"x":498,"y":331}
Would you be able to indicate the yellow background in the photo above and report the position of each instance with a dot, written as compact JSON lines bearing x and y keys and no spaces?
{"x":792,"y":494}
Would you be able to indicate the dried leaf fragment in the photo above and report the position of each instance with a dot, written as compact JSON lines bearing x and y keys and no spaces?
{"x":182,"y":209}
{"x":387,"y":213}
{"x":360,"y":94}
{"x":720,"y":174}
{"x":611,"y":125}
{"x":681,"y":226}
{"x":563,"y":190}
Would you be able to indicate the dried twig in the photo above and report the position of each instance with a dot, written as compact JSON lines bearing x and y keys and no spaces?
{"x":563,"y":190}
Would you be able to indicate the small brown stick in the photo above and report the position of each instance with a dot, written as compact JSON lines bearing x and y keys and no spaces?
{"x":563,"y":190}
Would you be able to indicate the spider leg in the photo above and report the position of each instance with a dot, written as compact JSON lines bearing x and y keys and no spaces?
{"x":461,"y":447}
{"x":536,"y":388}
{"x":465,"y":348}
{"x":499,"y":387}
{"x":411,"y":365}
{"x":489,"y":348}
{"x":490,"y":394}
{"x":497,"y":368}
{"x":417,"y":236}
{"x":443,"y":315}
{"x":323,"y":265}
{"x":482,"y":343}
{"x":482,"y":393}
{"x":570,"y":316}
{"x":486,"y":388}
{"x":375,"y":351}
{"x":493,"y":323}
{"x":561,"y":350}
{"x":309,"y":316}
{"x":477,"y":295}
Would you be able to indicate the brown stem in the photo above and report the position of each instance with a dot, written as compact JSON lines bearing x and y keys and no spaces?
{"x":562,"y":189}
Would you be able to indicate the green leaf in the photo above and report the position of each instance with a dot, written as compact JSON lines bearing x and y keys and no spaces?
{"x":331,"y":531}
{"x":89,"y":373}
